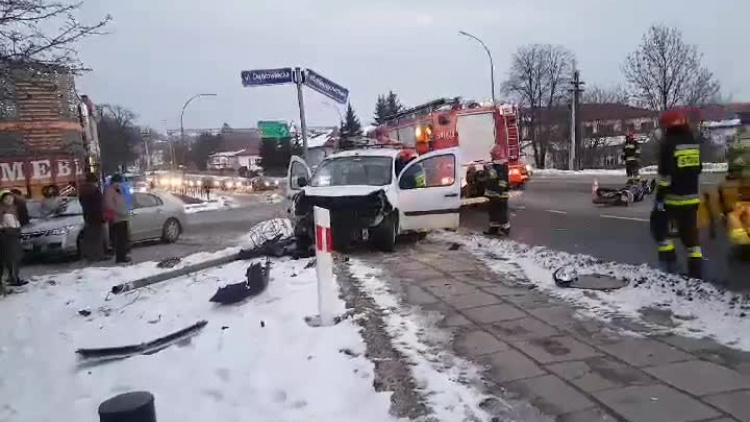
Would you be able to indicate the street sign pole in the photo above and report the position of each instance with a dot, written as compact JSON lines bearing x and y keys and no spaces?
{"x":301,"y":100}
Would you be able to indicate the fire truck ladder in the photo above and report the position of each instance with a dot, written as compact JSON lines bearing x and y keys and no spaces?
{"x":512,"y":136}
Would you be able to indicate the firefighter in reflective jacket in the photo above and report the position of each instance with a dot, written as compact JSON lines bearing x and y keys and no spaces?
{"x":631,"y":154}
{"x":677,"y":196}
{"x":496,"y":190}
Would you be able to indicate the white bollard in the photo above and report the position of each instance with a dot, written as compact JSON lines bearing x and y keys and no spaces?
{"x":324,"y":267}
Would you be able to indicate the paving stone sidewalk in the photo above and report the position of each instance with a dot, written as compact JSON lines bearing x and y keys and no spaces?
{"x":537,"y":349}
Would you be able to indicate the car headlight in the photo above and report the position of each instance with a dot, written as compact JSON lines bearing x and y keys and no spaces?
{"x":60,"y":231}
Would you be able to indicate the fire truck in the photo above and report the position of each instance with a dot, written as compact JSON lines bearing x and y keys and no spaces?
{"x":474,"y":128}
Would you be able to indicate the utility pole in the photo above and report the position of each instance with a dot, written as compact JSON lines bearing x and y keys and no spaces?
{"x":146,"y":134}
{"x":301,"y":100}
{"x":575,"y":120}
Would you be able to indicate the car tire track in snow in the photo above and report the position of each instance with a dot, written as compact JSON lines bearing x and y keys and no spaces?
{"x":391,"y":370}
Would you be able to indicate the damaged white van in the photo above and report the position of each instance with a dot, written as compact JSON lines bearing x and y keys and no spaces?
{"x":375,"y":195}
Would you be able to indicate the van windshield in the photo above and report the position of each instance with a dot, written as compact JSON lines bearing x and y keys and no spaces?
{"x":347,"y":171}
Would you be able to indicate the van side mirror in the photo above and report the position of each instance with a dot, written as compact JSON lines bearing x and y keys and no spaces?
{"x":301,"y":182}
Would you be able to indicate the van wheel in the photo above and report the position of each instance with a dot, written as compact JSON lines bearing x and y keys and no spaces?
{"x":171,"y":231}
{"x":384,"y":235}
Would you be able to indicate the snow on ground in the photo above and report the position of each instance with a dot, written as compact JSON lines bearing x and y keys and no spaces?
{"x":273,"y":198}
{"x":255,"y":361}
{"x":698,"y":309}
{"x":445,"y":379}
{"x":220,"y":203}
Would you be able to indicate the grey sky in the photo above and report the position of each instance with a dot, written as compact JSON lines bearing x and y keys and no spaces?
{"x":160,"y":52}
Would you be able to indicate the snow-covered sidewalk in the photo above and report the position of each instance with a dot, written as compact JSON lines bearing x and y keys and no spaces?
{"x":693,"y":308}
{"x":256,"y":360}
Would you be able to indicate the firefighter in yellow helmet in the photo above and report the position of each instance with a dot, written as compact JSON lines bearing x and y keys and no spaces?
{"x":496,"y":190}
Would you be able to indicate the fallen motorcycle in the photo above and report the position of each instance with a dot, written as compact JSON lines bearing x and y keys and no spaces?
{"x":624,"y":196}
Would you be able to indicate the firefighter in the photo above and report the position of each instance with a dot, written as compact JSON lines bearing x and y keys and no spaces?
{"x":631,"y":154}
{"x":419,"y":179}
{"x":496,"y":190}
{"x":677,"y":196}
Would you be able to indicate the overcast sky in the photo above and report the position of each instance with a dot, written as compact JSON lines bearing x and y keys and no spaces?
{"x":158,"y":53}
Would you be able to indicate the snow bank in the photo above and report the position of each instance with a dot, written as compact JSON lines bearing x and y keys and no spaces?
{"x":698,"y":309}
{"x":445,"y":378}
{"x":273,"y":198}
{"x":254,"y":361}
{"x":220,"y":203}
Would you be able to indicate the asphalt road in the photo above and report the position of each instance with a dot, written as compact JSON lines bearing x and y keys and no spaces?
{"x":557,"y":212}
{"x":206,"y":231}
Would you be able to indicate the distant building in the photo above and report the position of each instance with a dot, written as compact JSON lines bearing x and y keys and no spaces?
{"x":320,"y":146}
{"x":234,"y":160}
{"x":603,"y":126}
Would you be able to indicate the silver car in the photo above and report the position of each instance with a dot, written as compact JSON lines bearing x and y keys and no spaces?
{"x":155,"y":215}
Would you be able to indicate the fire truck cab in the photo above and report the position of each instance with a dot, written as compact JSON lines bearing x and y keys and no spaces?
{"x":475,"y":129}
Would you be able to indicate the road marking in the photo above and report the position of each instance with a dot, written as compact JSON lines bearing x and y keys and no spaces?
{"x":557,"y":211}
{"x":619,"y":217}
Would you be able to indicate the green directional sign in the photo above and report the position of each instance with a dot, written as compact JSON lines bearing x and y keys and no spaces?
{"x":273,"y":129}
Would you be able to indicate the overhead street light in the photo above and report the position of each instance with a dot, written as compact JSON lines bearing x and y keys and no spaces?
{"x":492,"y":65}
{"x":182,"y":125}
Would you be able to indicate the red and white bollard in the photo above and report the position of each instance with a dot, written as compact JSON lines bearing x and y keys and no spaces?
{"x":327,"y":294}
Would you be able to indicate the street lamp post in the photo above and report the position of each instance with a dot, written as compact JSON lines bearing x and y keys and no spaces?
{"x":182,"y":125}
{"x":492,"y":65}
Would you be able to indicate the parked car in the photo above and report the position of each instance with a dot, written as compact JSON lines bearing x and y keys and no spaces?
{"x":155,"y":215}
{"x":369,"y":200}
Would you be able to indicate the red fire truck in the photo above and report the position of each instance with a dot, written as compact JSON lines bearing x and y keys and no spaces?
{"x":475,"y":129}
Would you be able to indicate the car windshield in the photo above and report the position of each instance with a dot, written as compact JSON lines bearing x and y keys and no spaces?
{"x":357,"y":170}
{"x":64,"y":208}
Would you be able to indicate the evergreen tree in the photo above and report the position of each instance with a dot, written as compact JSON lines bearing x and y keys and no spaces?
{"x":381,"y":110}
{"x":351,"y":126}
{"x":393,"y":105}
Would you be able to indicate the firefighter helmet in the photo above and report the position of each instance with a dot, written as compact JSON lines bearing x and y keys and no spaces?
{"x":673,"y":118}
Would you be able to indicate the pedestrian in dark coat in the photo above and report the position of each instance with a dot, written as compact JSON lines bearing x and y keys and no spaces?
{"x":21,"y":209}
{"x":92,"y":202}
{"x":11,"y":251}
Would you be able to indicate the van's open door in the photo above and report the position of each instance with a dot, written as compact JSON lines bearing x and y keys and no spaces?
{"x":429,"y":190}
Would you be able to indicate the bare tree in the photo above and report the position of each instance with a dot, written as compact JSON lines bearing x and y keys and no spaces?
{"x":597,"y":94}
{"x":538,"y":80}
{"x":27,"y":35}
{"x":119,"y":137}
{"x":666,"y":72}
